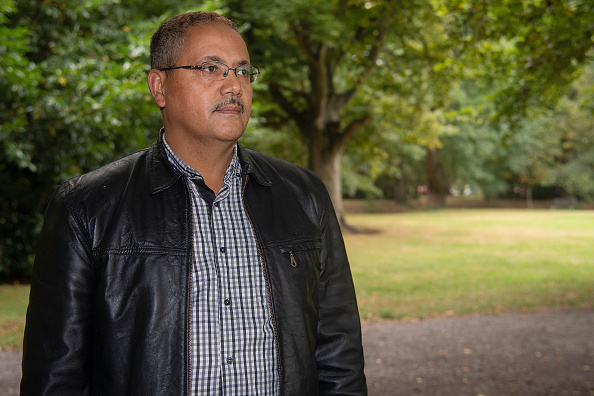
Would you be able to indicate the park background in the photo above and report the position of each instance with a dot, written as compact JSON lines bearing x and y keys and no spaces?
{"x":454,"y":137}
{"x":412,"y":112}
{"x":411,"y":101}
{"x":395,"y":100}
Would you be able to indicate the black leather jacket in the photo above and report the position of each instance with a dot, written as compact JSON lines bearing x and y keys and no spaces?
{"x":108,"y":311}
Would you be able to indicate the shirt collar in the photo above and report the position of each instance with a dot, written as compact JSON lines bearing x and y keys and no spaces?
{"x":232,"y":171}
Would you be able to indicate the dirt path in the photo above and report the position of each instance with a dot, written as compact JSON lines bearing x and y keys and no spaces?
{"x":538,"y":354}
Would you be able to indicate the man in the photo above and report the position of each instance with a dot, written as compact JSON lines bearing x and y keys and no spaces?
{"x":195,"y":266}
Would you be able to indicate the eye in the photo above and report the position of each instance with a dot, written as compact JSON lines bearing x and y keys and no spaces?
{"x":210,"y":68}
{"x":243,"y":71}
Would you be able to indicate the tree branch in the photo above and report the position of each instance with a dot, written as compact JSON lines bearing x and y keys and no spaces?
{"x":278,"y":95}
{"x":344,"y":98}
{"x":348,"y":132}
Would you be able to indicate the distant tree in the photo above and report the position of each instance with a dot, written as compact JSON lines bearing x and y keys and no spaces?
{"x":528,"y":51}
{"x":573,"y":121}
{"x":531,"y":154}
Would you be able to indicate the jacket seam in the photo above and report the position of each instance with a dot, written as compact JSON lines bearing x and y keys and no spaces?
{"x":312,"y":243}
{"x":137,"y":250}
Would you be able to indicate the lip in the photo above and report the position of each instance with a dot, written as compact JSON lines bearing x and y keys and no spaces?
{"x":229,"y":110}
{"x":231,"y":107}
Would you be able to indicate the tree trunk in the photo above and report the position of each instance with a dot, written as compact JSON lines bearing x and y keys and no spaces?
{"x":529,"y":203}
{"x":400,"y":192}
{"x":326,"y":164}
{"x":321,"y":122}
{"x":437,"y":188}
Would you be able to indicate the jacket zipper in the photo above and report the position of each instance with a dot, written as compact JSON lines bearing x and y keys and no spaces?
{"x":189,"y":351}
{"x":189,"y":305}
{"x":278,"y":362}
{"x":293,"y":261}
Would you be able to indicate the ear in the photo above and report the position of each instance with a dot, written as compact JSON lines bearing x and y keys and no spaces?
{"x":156,"y":83}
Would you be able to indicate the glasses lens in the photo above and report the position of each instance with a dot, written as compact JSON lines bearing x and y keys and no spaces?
{"x":254,"y":72}
{"x":247,"y":74}
{"x":213,"y":70}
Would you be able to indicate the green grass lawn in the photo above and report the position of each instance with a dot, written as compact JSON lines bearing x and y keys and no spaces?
{"x":428,"y":264}
{"x":13,"y":305}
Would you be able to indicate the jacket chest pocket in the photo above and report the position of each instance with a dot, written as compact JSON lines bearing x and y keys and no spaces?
{"x":301,"y":256}
{"x":295,"y":271}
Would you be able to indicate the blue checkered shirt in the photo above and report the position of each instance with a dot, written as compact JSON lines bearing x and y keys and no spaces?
{"x":232,"y":345}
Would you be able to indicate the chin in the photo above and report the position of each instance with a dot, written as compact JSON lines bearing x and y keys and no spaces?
{"x":231,"y":136}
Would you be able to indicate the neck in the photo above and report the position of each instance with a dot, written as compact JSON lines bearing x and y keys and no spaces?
{"x":211,"y":160}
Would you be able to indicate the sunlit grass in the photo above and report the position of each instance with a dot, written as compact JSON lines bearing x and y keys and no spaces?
{"x":456,"y":262}
{"x":13,"y":306}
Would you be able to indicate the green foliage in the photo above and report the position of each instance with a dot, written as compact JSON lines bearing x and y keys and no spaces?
{"x":18,"y":84}
{"x":531,"y":49}
{"x":308,"y":55}
{"x":573,"y":124}
{"x":74,"y":74}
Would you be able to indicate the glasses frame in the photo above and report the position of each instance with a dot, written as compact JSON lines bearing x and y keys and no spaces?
{"x":225,"y":74}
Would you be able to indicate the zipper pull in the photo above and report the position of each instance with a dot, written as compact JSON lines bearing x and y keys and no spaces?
{"x":293,"y":261}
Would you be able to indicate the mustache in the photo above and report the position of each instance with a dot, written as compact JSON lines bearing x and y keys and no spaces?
{"x":233,"y":101}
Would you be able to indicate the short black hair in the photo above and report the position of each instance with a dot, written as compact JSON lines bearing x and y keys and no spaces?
{"x":168,"y":40}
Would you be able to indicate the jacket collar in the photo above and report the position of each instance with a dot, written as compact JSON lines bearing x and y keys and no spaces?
{"x":250,"y":167}
{"x":163,"y":175}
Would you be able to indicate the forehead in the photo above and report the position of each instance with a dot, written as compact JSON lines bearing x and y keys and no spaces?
{"x":213,"y":40}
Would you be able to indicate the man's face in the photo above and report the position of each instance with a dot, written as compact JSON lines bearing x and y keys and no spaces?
{"x":204,"y":110}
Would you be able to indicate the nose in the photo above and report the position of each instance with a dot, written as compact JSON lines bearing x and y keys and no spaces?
{"x":231,"y":85}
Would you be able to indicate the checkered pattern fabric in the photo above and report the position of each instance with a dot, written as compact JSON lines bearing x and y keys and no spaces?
{"x":232,"y":343}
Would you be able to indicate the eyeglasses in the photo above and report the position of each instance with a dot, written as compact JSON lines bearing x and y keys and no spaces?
{"x":213,"y":71}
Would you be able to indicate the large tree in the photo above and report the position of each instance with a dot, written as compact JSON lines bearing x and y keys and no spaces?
{"x":316,"y":58}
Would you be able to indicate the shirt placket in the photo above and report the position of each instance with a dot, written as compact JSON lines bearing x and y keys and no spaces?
{"x":208,"y":315}
{"x":222,"y":248}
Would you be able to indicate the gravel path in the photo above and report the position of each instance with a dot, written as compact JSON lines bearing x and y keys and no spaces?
{"x":537,"y":354}
{"x":540,"y":354}
{"x":10,"y":373}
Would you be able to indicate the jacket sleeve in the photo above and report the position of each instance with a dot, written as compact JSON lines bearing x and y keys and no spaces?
{"x":57,"y":332}
{"x":339,"y":352}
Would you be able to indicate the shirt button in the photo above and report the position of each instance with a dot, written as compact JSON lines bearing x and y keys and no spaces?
{"x":223,"y":249}
{"x":216,"y":204}
{"x":227,"y":301}
{"x":229,"y":360}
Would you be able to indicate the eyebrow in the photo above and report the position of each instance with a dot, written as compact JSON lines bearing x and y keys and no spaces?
{"x":218,"y":59}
